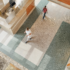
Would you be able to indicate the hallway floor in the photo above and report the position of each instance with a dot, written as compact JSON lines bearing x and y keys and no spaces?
{"x":50,"y":47}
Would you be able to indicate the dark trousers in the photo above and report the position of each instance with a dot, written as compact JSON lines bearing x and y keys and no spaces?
{"x":44,"y":15}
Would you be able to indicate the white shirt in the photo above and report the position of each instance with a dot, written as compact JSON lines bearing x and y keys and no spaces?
{"x":28,"y":32}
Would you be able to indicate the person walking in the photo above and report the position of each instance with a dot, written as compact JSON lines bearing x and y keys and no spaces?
{"x":44,"y":10}
{"x":28,"y":34}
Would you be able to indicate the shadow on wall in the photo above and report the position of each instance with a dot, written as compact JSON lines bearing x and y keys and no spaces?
{"x":5,"y":1}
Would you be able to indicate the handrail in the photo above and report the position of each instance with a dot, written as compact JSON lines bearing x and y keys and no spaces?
{"x":18,"y":21}
{"x":19,"y":14}
{"x":60,"y":3}
{"x":68,"y":64}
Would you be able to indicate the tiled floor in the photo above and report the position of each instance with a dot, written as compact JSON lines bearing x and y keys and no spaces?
{"x":49,"y":48}
{"x":68,"y":65}
{"x":5,"y":62}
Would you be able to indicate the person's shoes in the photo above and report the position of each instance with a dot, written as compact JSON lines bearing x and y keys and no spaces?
{"x":26,"y":41}
{"x":0,"y":27}
{"x":30,"y":38}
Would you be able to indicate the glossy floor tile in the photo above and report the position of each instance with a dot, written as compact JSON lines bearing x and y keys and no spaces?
{"x":49,"y":47}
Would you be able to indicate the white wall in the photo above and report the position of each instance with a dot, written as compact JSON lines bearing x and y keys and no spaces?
{"x":5,"y":1}
{"x":20,"y":3}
